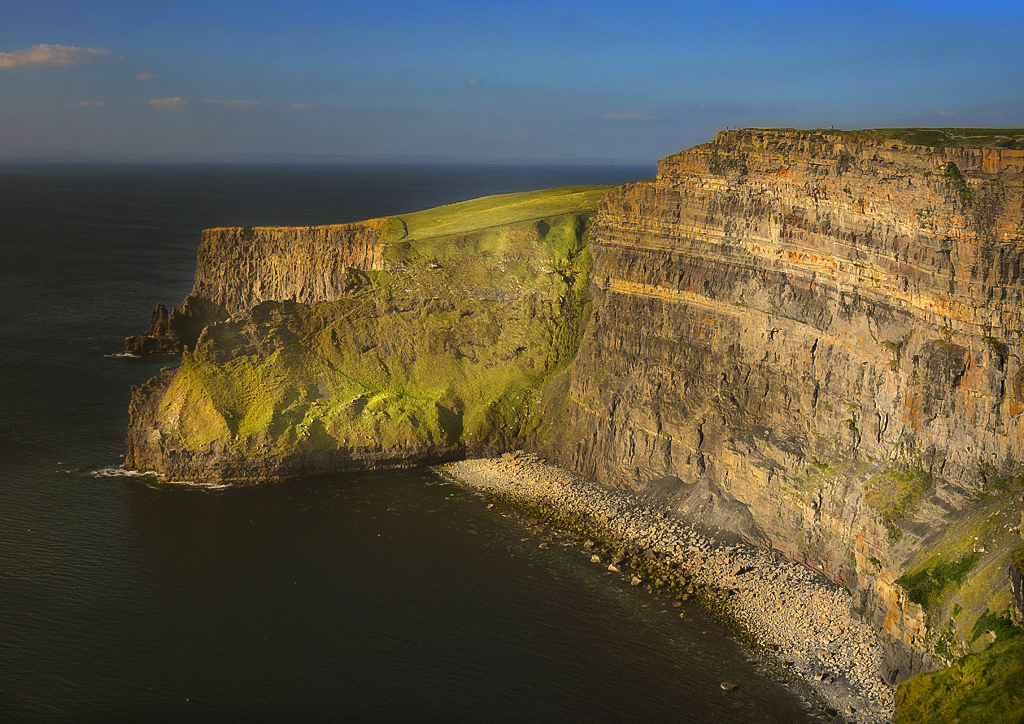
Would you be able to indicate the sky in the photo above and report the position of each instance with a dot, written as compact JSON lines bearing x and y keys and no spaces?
{"x":512,"y":80}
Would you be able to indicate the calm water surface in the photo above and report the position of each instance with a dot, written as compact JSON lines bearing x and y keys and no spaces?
{"x":384,"y":597}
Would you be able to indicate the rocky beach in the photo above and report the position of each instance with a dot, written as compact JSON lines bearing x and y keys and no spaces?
{"x":797,"y":620}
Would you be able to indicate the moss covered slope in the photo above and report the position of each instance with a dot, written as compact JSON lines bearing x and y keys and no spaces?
{"x":446,"y":350}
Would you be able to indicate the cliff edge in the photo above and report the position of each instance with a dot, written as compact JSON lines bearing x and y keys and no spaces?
{"x":809,"y":339}
{"x":390,"y":343}
{"x":814,"y":340}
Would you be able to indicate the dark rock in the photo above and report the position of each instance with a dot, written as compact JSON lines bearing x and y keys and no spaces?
{"x":175,"y":331}
{"x":1017,"y":586}
{"x":902,"y":661}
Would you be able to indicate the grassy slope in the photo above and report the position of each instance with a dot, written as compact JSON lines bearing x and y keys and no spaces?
{"x":961,"y":579}
{"x":501,"y":210}
{"x":481,"y":306}
{"x":981,"y":688}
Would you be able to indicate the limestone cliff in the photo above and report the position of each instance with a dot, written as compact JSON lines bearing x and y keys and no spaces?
{"x":810,"y":339}
{"x":391,"y":343}
{"x":239,"y":267}
{"x":815,"y":340}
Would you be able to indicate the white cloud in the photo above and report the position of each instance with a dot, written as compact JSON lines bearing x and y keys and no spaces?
{"x":91,"y":104}
{"x":48,"y":56}
{"x":145,"y":76}
{"x":232,"y":105}
{"x":630,"y":117}
{"x":473,"y":81}
{"x":167,"y":102}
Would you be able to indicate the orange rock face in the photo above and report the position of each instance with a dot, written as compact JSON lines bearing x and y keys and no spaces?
{"x":782,"y":321}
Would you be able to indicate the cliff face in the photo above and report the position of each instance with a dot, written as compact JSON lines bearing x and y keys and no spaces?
{"x":813,"y":341}
{"x":240,"y":267}
{"x":237,"y":268}
{"x":398,"y":342}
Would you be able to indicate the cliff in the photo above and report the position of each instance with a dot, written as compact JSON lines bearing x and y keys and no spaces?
{"x":413,"y":340}
{"x":814,"y":340}
{"x":809,"y":339}
{"x":239,"y":267}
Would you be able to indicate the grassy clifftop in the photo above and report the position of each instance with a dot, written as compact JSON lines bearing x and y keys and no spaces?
{"x":493,"y":211}
{"x":943,"y":137}
{"x":482,"y":303}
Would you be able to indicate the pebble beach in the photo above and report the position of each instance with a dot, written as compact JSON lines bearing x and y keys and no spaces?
{"x":800,"y":619}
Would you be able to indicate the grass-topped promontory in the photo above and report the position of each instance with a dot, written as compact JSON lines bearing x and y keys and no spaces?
{"x":491,"y":211}
{"x":482,"y":303}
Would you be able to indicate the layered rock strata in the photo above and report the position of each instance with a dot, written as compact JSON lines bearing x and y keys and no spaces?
{"x":814,"y":341}
{"x":811,"y":340}
{"x":390,"y":343}
{"x":239,"y":267}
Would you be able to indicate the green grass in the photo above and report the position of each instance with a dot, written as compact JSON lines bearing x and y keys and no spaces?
{"x":933,"y":574}
{"x":981,"y":688}
{"x":896,"y":493}
{"x":483,"y":304}
{"x":929,"y":586}
{"x":1017,"y":557}
{"x":997,"y":485}
{"x":493,"y":211}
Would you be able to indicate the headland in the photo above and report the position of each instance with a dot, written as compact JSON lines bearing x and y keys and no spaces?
{"x":810,"y":340}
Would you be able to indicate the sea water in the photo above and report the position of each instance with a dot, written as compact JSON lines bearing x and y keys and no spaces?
{"x":381,"y":597}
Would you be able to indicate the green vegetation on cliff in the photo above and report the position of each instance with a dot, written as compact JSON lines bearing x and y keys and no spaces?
{"x":960,"y":578}
{"x":980,"y":688}
{"x":482,"y":303}
{"x":942,"y":137}
{"x":494,"y":211}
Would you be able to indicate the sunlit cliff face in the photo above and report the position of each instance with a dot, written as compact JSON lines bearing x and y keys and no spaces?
{"x":812,"y":340}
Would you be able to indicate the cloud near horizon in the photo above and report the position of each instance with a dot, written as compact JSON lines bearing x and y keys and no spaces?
{"x":177,"y":101}
{"x":630,"y":117}
{"x":167,"y":102}
{"x":49,"y":56}
{"x":232,"y":105}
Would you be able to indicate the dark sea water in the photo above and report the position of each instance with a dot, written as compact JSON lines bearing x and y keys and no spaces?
{"x":382,"y":598}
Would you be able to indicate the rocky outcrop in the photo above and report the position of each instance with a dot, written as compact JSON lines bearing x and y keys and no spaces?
{"x":239,"y":267}
{"x":177,"y":330}
{"x":811,"y":340}
{"x":395,"y":343}
{"x":820,"y":335}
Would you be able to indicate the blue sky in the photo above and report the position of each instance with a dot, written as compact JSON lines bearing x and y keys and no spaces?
{"x":512,"y":80}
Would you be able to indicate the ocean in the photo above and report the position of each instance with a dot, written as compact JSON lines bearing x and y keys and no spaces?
{"x":385,"y":597}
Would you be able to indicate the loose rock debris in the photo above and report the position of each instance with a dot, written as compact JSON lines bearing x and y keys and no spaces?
{"x":801,"y":618}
